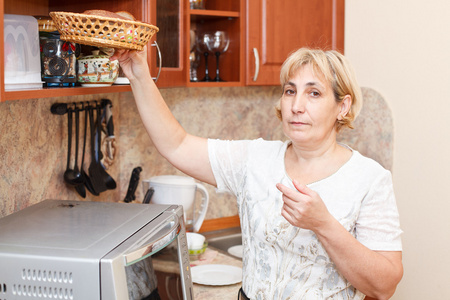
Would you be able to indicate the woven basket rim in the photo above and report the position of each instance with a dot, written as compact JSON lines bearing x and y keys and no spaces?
{"x":101,"y":43}
{"x":61,"y":18}
{"x":105,"y":19}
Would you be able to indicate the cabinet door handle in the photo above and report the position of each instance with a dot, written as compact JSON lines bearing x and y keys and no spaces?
{"x":155,"y":44}
{"x":255,"y":53}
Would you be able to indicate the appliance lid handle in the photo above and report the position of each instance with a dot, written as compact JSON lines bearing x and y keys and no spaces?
{"x":165,"y":234}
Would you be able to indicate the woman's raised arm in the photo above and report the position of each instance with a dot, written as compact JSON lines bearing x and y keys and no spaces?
{"x":186,"y":152}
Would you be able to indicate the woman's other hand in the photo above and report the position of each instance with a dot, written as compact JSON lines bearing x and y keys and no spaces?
{"x":303,"y":207}
{"x":133,"y":63}
{"x":374,"y":273}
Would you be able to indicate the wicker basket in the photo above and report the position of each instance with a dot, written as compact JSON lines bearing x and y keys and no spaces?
{"x":103,"y":31}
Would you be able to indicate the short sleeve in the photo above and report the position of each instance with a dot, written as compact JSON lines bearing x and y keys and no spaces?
{"x":378,"y":224}
{"x":228,"y":162}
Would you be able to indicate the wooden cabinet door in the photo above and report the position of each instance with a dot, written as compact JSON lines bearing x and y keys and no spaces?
{"x":276,"y":28}
{"x":169,"y":16}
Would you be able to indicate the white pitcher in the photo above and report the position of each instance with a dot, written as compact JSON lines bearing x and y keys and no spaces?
{"x":180,"y":190}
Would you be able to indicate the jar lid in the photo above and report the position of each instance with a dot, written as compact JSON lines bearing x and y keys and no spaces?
{"x":96,"y":54}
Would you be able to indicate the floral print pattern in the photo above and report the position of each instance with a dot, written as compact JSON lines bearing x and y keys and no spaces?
{"x":281,"y":261}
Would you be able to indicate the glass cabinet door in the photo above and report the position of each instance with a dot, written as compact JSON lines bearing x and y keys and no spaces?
{"x":168,"y":15}
{"x":169,"y":32}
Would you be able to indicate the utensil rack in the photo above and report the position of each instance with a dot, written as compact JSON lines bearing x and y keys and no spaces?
{"x":63,"y":108}
{"x":97,"y":180}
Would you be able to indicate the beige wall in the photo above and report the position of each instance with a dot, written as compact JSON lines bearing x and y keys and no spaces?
{"x":33,"y":141}
{"x":402,"y":49}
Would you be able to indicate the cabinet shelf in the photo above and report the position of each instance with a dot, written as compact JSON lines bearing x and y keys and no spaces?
{"x":61,"y":92}
{"x":198,"y":14}
{"x":225,"y":16}
{"x":214,"y":84}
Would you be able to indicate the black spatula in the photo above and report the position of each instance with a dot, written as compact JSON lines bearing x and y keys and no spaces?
{"x":96,"y":170}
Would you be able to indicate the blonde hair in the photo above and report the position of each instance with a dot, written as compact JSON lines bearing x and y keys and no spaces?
{"x":335,"y":69}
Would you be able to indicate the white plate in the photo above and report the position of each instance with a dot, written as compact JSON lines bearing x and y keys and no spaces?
{"x":236,"y":251}
{"x":216,"y":274}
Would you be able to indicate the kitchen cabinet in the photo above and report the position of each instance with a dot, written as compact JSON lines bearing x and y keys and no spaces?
{"x":225,"y":16}
{"x":146,"y":11}
{"x":276,"y":28}
{"x":173,"y":17}
{"x":169,"y":16}
{"x":269,"y":29}
{"x":176,"y":20}
{"x":42,"y":8}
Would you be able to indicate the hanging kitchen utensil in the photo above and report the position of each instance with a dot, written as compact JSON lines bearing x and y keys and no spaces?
{"x":86,"y":179}
{"x":68,"y":173}
{"x":78,"y":177}
{"x":100,"y":179}
{"x":72,"y":176}
{"x":95,"y":168}
{"x":109,"y":181}
{"x":134,"y":182}
{"x":110,"y":138}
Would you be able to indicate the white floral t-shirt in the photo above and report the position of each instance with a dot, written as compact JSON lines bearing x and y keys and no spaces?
{"x":281,"y":261}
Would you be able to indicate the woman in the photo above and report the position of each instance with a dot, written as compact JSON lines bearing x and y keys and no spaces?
{"x":319,"y":220}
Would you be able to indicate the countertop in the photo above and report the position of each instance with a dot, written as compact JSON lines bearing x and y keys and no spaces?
{"x":226,"y":291}
{"x":212,"y":255}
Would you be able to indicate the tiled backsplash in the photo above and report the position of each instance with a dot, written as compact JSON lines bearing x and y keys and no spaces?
{"x":33,"y":144}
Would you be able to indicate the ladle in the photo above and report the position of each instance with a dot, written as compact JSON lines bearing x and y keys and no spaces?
{"x":78,"y":179}
{"x":68,"y":174}
{"x":73,"y":176}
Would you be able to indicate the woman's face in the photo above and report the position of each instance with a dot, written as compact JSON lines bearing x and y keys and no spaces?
{"x":309,"y":109}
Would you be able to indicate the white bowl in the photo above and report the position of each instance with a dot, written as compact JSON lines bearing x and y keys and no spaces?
{"x":195,"y":240}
